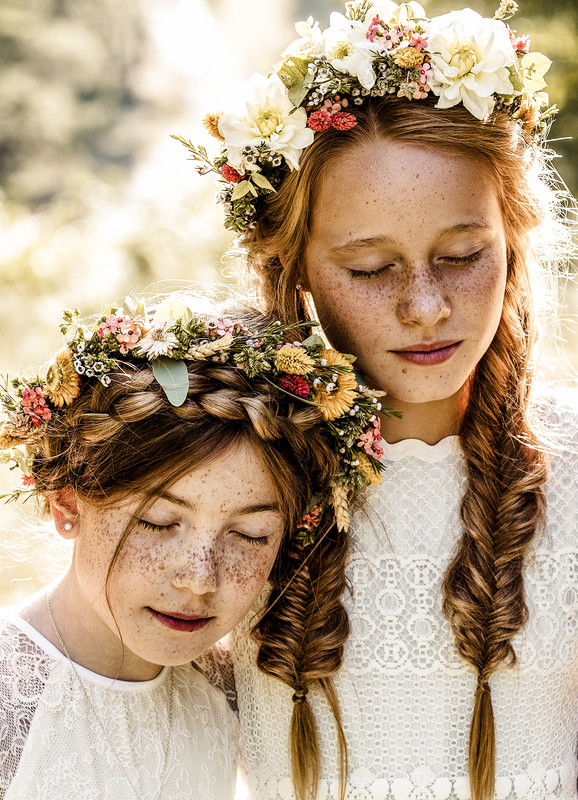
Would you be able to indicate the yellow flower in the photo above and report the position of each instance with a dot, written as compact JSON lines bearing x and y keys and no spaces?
{"x":294,"y":361}
{"x":408,"y":57}
{"x":367,"y":470}
{"x":62,"y":381}
{"x":211,"y":124}
{"x":337,"y":402}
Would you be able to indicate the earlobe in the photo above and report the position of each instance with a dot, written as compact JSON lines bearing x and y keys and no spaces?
{"x":301,"y":283}
{"x":64,"y":511}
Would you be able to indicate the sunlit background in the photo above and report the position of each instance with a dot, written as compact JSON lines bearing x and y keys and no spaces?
{"x":97,"y":199}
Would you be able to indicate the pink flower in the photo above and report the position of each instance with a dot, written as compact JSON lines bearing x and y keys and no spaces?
{"x":223,"y":326}
{"x":521,"y":44}
{"x":230,"y":174}
{"x":311,"y":520}
{"x":126,"y":330}
{"x":319,"y":120}
{"x":28,"y":481}
{"x":343,"y":121}
{"x":34,"y":405}
{"x":419,"y":42}
{"x":370,"y":438}
{"x":373,"y":27}
{"x":295,"y":384}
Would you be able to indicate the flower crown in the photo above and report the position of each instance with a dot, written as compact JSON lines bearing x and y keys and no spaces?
{"x":167,"y":337}
{"x":376,"y":48}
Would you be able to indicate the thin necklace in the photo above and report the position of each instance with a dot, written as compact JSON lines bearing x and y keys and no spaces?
{"x":99,"y":721}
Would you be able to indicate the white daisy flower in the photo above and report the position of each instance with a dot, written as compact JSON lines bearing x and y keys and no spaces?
{"x":471,"y":58}
{"x":158,"y":341}
{"x":270,"y":118}
{"x":349,"y":50}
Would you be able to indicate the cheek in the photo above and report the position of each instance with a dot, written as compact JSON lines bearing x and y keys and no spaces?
{"x":246,"y":574}
{"x":350,"y":311}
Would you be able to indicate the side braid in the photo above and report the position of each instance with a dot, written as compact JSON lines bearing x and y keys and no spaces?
{"x":301,"y":636}
{"x":503,"y":505}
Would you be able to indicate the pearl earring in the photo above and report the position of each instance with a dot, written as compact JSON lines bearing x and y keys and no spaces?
{"x":68,"y":526}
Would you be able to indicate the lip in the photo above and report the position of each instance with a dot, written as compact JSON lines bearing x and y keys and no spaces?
{"x":428,"y":353}
{"x":180,"y":622}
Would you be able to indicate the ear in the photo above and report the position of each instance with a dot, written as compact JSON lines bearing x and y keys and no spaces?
{"x":64,"y":511}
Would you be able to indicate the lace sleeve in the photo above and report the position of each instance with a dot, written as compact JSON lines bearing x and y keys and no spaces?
{"x":217,"y":666}
{"x":24,"y":672}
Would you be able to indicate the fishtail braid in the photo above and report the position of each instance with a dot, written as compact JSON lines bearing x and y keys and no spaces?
{"x":301,"y":636}
{"x":501,"y":510}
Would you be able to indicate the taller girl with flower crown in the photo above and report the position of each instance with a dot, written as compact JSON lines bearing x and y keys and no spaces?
{"x":390,"y":177}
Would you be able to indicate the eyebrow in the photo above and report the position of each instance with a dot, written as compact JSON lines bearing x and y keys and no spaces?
{"x":254,"y":509}
{"x":373,"y":241}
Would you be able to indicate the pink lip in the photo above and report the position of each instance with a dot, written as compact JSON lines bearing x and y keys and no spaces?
{"x":180,"y":622}
{"x":428,"y":353}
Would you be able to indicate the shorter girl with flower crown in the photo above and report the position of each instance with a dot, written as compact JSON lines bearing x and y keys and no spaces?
{"x":179,"y":453}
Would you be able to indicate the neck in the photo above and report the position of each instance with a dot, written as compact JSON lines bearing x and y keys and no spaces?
{"x":88,"y":640}
{"x":429,"y":422}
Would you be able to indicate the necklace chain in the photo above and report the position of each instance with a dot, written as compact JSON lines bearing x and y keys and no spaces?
{"x":99,"y":721}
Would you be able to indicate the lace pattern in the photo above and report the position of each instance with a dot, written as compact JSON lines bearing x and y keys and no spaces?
{"x":405,"y":694}
{"x":51,"y":746}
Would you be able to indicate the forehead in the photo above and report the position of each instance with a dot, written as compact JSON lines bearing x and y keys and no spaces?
{"x":390,"y":188}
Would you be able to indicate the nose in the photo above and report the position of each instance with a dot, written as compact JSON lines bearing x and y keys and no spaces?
{"x":199,"y":569}
{"x":422,"y":300}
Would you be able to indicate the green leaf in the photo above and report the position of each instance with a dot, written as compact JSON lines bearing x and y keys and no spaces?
{"x":349,"y":357}
{"x":241,"y":190}
{"x":298,"y":93}
{"x":261,"y":181}
{"x":173,"y":376}
{"x":314,"y":341}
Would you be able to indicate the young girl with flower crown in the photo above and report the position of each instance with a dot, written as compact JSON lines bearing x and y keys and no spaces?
{"x":404,"y":199}
{"x":174,"y":451}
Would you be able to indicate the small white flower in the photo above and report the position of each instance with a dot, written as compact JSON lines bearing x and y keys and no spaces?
{"x":270,"y":118}
{"x":471,"y":57}
{"x":158,"y":341}
{"x":349,"y":50}
{"x":105,"y":380}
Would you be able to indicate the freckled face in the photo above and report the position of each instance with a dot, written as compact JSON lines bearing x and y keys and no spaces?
{"x":406,"y":264}
{"x":192,"y":567}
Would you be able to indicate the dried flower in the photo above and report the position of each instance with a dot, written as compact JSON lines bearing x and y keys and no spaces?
{"x":407,"y":57}
{"x":231,"y":175}
{"x":319,"y":120}
{"x":340,"y":507}
{"x":343,"y":121}
{"x":340,"y":399}
{"x":62,"y":381}
{"x":158,"y":341}
{"x":211,"y":124}
{"x":295,"y":384}
{"x":34,"y":405}
{"x":366,"y":468}
{"x":201,"y":352}
{"x":293,"y":360}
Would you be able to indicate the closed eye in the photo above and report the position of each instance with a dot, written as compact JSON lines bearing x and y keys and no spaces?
{"x":152,"y":526}
{"x":368,"y":274}
{"x":258,"y":541}
{"x":470,"y":259}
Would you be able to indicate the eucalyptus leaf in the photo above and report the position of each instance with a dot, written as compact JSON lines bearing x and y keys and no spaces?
{"x":262,"y":181}
{"x":173,"y":376}
{"x":314,"y":341}
{"x":241,"y":190}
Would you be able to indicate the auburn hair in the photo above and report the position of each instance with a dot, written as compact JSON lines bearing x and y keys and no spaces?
{"x":504,"y":503}
{"x":127,"y":438}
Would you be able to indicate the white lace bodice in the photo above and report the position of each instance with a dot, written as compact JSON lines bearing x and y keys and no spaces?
{"x":51,"y":747}
{"x":406,"y":696}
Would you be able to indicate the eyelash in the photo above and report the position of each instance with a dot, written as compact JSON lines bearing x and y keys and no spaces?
{"x":368,"y":274}
{"x":151,"y":526}
{"x":258,"y":541}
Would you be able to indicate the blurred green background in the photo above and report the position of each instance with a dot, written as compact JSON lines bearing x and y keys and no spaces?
{"x":96,"y":199}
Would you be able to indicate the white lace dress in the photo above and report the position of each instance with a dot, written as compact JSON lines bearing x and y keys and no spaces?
{"x":405,"y":694}
{"x":52,"y":748}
